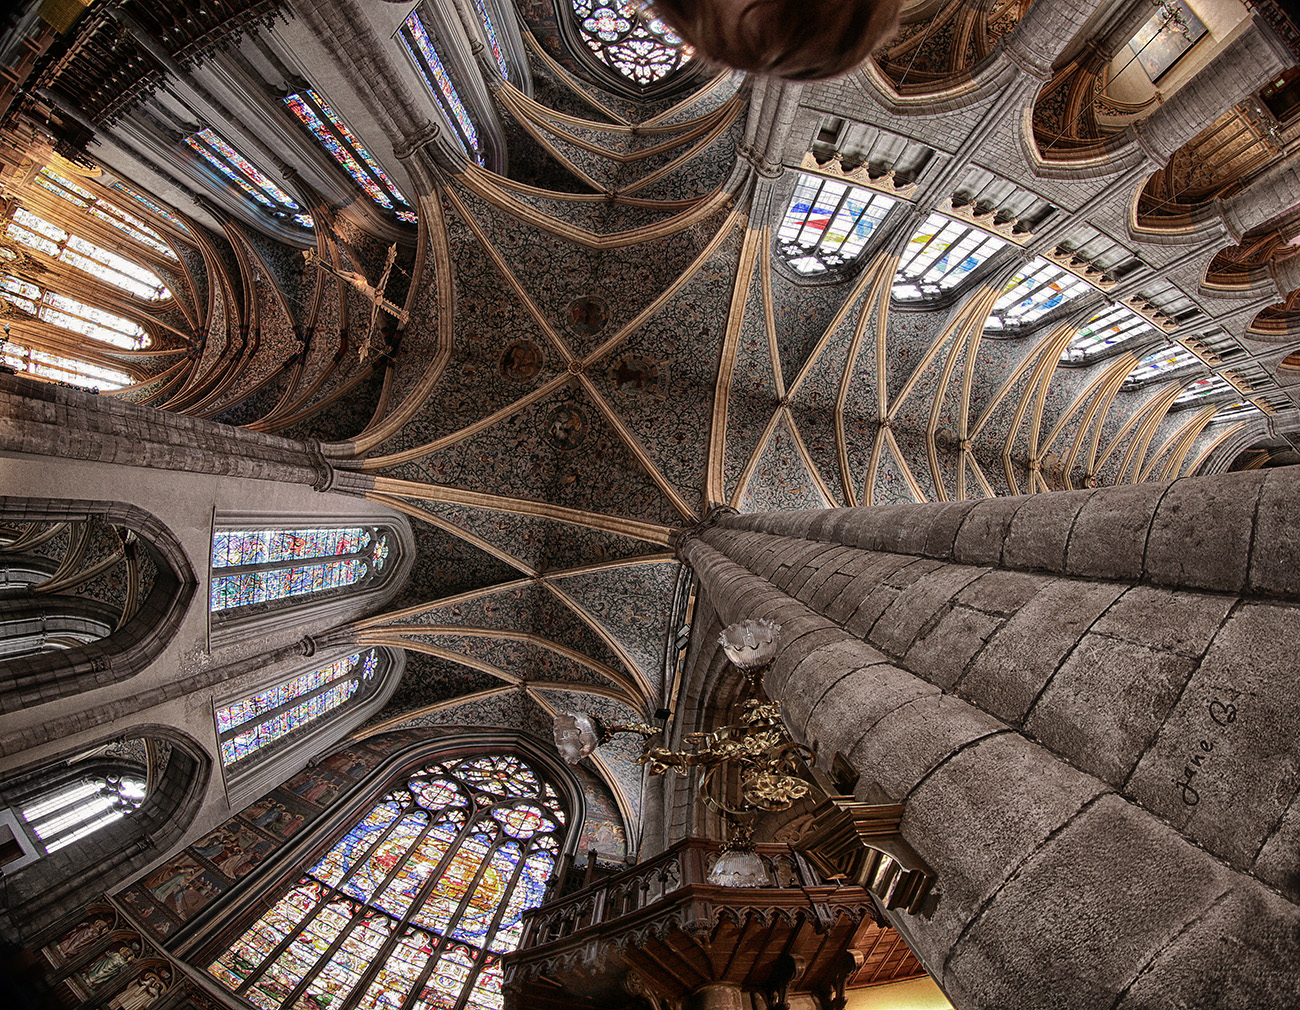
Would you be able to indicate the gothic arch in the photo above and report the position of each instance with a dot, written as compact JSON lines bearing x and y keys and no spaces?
{"x":143,"y":625}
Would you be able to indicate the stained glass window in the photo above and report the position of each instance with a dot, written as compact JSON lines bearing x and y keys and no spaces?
{"x":85,"y":374}
{"x":1238,"y":411}
{"x":98,"y":207}
{"x":634,"y":44}
{"x":413,"y":907}
{"x":490,"y":29}
{"x":248,"y":725}
{"x":1034,"y":291}
{"x":1161,"y":362}
{"x":74,"y":315}
{"x":259,"y":566}
{"x":37,"y":233}
{"x":1212,"y":387}
{"x":828,"y":223}
{"x":246,"y":176}
{"x":1105,"y":329}
{"x":75,"y":809}
{"x":144,"y":201}
{"x":420,"y":47}
{"x":939,"y":256}
{"x":333,"y":134}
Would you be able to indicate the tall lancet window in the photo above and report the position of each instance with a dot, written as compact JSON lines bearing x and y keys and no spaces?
{"x":828,"y":223}
{"x":631,"y":43}
{"x":491,"y":31}
{"x":420,"y":47}
{"x":247,"y":177}
{"x":333,"y":134}
{"x":144,"y":201}
{"x":83,"y":804}
{"x":250,"y":725}
{"x":413,"y":908}
{"x":103,"y":210}
{"x":35,"y":232}
{"x":74,"y":315}
{"x":262,"y":566}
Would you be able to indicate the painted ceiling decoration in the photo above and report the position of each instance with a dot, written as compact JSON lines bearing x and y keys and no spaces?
{"x":635,"y":324}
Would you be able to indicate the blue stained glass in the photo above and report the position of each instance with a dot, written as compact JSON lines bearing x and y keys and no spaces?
{"x":248,"y":588}
{"x":492,"y":38}
{"x":144,"y":201}
{"x":252,"y":547}
{"x":428,"y":63}
{"x":396,"y":870}
{"x":245,"y":175}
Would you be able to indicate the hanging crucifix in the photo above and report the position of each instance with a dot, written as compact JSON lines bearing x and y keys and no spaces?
{"x":374,"y":292}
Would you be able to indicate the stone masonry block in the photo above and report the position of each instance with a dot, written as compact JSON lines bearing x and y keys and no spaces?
{"x":1106,"y":703}
{"x":866,"y":580}
{"x":1275,"y":551}
{"x":1226,"y":763}
{"x":1003,"y":790}
{"x":1107,"y":892}
{"x":868,"y":611}
{"x":942,"y":534}
{"x":918,"y":605}
{"x":1200,"y":536}
{"x":1175,"y":620}
{"x":941,"y":656}
{"x":1110,"y":532}
{"x":1003,"y":592}
{"x":819,"y":670}
{"x":1040,"y":529}
{"x":980,"y":538}
{"x":1005,"y":678}
{"x":1278,"y":861}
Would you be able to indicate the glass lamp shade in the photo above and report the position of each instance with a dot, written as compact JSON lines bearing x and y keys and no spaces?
{"x":740,"y":867}
{"x":751,"y":644}
{"x":577,"y":734}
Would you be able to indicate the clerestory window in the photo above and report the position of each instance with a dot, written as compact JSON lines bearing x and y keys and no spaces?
{"x":940,"y":256}
{"x":78,"y":807}
{"x":414,"y":906}
{"x":247,"y":177}
{"x":494,"y":44}
{"x":74,"y":315}
{"x":828,"y":223}
{"x":144,"y":201}
{"x":1112,"y":326}
{"x":1033,"y":292}
{"x":35,"y":232}
{"x":103,"y":210}
{"x":333,"y":134}
{"x":57,"y":368}
{"x":415,"y":37}
{"x":1159,"y":363}
{"x":630,"y":42}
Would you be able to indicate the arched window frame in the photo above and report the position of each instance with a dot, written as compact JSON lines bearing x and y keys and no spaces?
{"x":1160,"y":364}
{"x":248,"y":900}
{"x":940,"y":256}
{"x":685,"y":74}
{"x":149,"y":204}
{"x":249,"y":777}
{"x":328,"y":129}
{"x":421,"y":41}
{"x":73,"y":315}
{"x":101,"y":209}
{"x":806,"y":240}
{"x":1032,"y":292}
{"x":237,"y":173}
{"x":331,"y":605}
{"x":1105,"y":333}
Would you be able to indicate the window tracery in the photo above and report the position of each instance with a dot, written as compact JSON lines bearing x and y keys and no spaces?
{"x":88,"y":375}
{"x":144,"y":201}
{"x":1208,"y":388}
{"x":75,"y":809}
{"x":265,"y":565}
{"x":333,"y":134}
{"x":247,"y":726}
{"x":939,"y":256}
{"x":1033,"y":292}
{"x":1112,"y":326}
{"x":74,"y":315}
{"x":414,"y":906}
{"x":828,"y":223}
{"x":415,"y":37}
{"x":1161,"y":362}
{"x":98,"y":207}
{"x":632,"y":43}
{"x":37,"y":233}
{"x":246,"y":177}
{"x":1238,"y":411}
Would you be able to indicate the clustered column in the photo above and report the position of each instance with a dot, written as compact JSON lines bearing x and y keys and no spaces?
{"x":1087,"y":701}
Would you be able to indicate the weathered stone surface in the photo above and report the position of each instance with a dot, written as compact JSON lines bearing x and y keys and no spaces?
{"x":1278,"y":861}
{"x":918,"y":605}
{"x":980,"y":539}
{"x":1243,"y":952}
{"x":1200,"y":536}
{"x":1226,"y":763}
{"x":1005,"y":794}
{"x":1003,"y":592}
{"x":1275,"y":553}
{"x":1005,"y":678}
{"x":853,"y":705}
{"x":1106,"y":704}
{"x":1079,"y":946}
{"x":1170,"y":619}
{"x":819,"y":670}
{"x":941,"y":655}
{"x":1109,"y":537}
{"x":1040,"y":530}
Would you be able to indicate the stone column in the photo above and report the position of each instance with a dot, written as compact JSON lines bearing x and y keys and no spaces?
{"x":1086,"y":701}
{"x":1045,"y":30}
{"x":1271,"y":195}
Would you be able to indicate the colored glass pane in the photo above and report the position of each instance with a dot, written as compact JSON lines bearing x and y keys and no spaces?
{"x":246,"y":176}
{"x":102,"y":209}
{"x":1238,"y":411}
{"x":1108,"y":328}
{"x":828,"y":223}
{"x":362,"y":153}
{"x":144,"y":201}
{"x":490,"y":29}
{"x":59,"y":369}
{"x":1161,"y":362}
{"x":1211,"y":387}
{"x":426,"y":58}
{"x":94,"y":259}
{"x":1033,"y":292}
{"x":415,"y":904}
{"x":639,"y":47}
{"x":342,"y":154}
{"x":940,"y":256}
{"x":251,"y":547}
{"x":248,"y":588}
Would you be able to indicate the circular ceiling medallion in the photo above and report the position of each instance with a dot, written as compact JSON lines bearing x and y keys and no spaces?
{"x":522,"y":361}
{"x":566,"y":427}
{"x":635,"y":375}
{"x":587,"y":315}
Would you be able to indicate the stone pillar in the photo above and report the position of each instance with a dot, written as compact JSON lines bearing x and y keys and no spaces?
{"x":1271,"y":195}
{"x":1243,"y":67}
{"x":1044,"y":31}
{"x":1086,"y":701}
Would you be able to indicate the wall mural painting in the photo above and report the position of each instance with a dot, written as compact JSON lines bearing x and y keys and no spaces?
{"x":101,"y":961}
{"x":587,"y":315}
{"x":603,"y":829}
{"x":522,"y":361}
